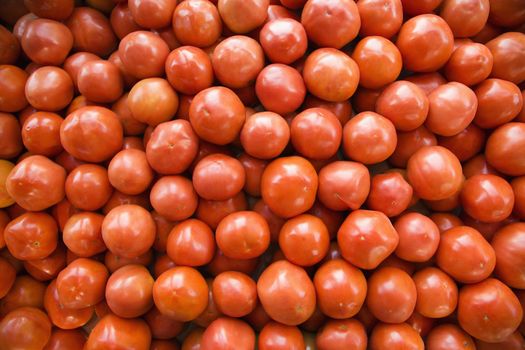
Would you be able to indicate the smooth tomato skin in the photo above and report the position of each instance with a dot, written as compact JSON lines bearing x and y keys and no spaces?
{"x":470,"y":64}
{"x":472,"y":136}
{"x":389,"y":193}
{"x":129,"y":291}
{"x":380,"y":18}
{"x":343,"y":185}
{"x":41,"y":133}
{"x":501,"y":150}
{"x":212,"y":212}
{"x":12,"y":88}
{"x":289,"y":186}
{"x":418,"y":237}
{"x":172,"y":147}
{"x":399,"y":336}
{"x":341,"y":289}
{"x":11,"y":141}
{"x":391,"y":295}
{"x":508,"y":245}
{"x":8,"y":277}
{"x":87,"y":187}
{"x":404,"y":103}
{"x":341,"y":334}
{"x":234,"y":293}
{"x":331,"y":75}
{"x":191,"y":243}
{"x":82,"y":234}
{"x":152,"y":14}
{"x":514,"y":341}
{"x":331,"y":23}
{"x":452,"y":107}
{"x":360,"y":236}
{"x":82,"y":283}
{"x":129,"y":171}
{"x":211,"y":313}
{"x":66,"y":339}
{"x":283,"y":40}
{"x":31,"y":236}
{"x":265,"y":135}
{"x":448,"y":336}
{"x":217,"y":115}
{"x":437,"y":293}
{"x":189,"y":70}
{"x":507,"y":51}
{"x":36,"y":183}
{"x":193,"y":340}
{"x":465,"y":18}
{"x":113,"y":332}
{"x":181,"y":293}
{"x":25,"y":291}
{"x":143,"y":54}
{"x":467,"y":245}
{"x":276,"y":336}
{"x":174,"y":189}
{"x":128,"y":231}
{"x":63,"y":317}
{"x":499,"y":102}
{"x":434,"y":172}
{"x":227,"y":334}
{"x":280,"y":88}
{"x":243,"y":235}
{"x":25,"y":328}
{"x":379,"y":61}
{"x":161,"y":326}
{"x":369,"y":138}
{"x":487,"y":198}
{"x":489,"y":310}
{"x":304,"y":240}
{"x":286,"y":293}
{"x":419,"y":53}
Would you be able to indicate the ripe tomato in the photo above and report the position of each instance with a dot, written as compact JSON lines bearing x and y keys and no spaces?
{"x":113,"y":332}
{"x":437,"y":293}
{"x":222,"y":333}
{"x":276,"y":336}
{"x":25,"y":328}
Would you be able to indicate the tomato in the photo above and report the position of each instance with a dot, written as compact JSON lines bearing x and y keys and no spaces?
{"x":212,"y":212}
{"x":189,"y":70}
{"x":103,"y":140}
{"x":143,"y":54}
{"x":31,"y":236}
{"x":289,"y":186}
{"x":122,"y":21}
{"x":391,"y":295}
{"x":243,"y":235}
{"x":162,"y":326}
{"x":275,"y":336}
{"x":197,"y":23}
{"x":152,"y":13}
{"x":88,"y":187}
{"x":369,"y":138}
{"x":465,"y":18}
{"x":81,"y":284}
{"x":280,"y":88}
{"x":25,"y":291}
{"x":119,"y":333}
{"x":448,"y":336}
{"x":193,"y":340}
{"x":437,"y":293}
{"x":172,"y":147}
{"x":41,"y":134}
{"x":65,"y":339}
{"x":470,"y":64}
{"x":425,"y":42}
{"x":452,"y":108}
{"x":340,"y":288}
{"x":508,"y":245}
{"x":129,"y":291}
{"x":129,"y":171}
{"x":465,"y":145}
{"x":47,"y":268}
{"x":191,"y":243}
{"x":46,"y":42}
{"x":211,"y":313}
{"x":286,"y":293}
{"x":234,"y":293}
{"x":152,"y":101}
{"x":174,"y":189}
{"x":408,"y":143}
{"x":181,"y":293}
{"x":25,"y":328}
{"x":63,"y":317}
{"x":499,"y":101}
{"x":5,"y":199}
{"x":341,"y":334}
{"x":434,"y":172}
{"x":379,"y":61}
{"x":467,"y":245}
{"x":12,"y":86}
{"x":222,"y":333}
{"x":49,"y":89}
{"x":327,"y":68}
{"x":331,"y":23}
{"x":265,"y":135}
{"x":489,"y":310}
{"x":502,"y":149}
{"x":243,"y":16}
{"x":217,"y":115}
{"x":316,"y":133}
{"x":507,"y":51}
{"x":390,"y":194}
{"x":283,"y":40}
{"x":488,"y":198}
{"x":366,"y":238}
{"x":395,"y":337}
{"x":8,"y":277}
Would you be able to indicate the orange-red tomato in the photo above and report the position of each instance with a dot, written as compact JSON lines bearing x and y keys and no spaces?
{"x":113,"y":332}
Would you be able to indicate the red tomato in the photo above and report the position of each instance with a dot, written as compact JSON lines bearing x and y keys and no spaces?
{"x":222,"y":333}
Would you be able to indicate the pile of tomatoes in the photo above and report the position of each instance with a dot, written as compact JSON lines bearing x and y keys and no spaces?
{"x":271,"y":174}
